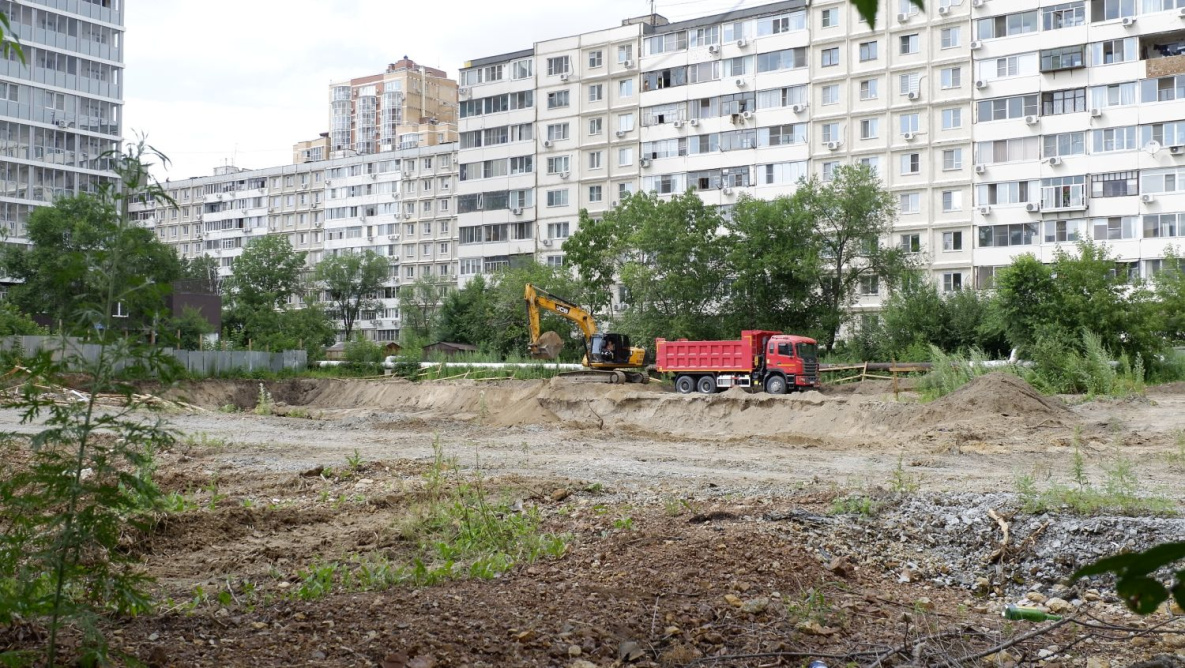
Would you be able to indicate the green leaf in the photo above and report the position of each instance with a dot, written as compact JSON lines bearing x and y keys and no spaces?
{"x":867,"y":9}
{"x":1142,"y":594}
{"x":1135,"y":563}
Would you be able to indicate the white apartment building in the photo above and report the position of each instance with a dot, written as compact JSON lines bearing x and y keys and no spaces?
{"x":751,"y":101}
{"x":1079,"y":129}
{"x":398,"y":204}
{"x":62,"y":109}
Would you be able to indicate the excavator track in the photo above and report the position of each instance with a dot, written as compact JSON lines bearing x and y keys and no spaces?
{"x":599,"y":376}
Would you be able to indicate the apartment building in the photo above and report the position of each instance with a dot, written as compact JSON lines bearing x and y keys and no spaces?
{"x":751,"y":101}
{"x":406,"y":106}
{"x":1079,"y":130}
{"x":397,"y":204}
{"x":312,"y":150}
{"x":62,"y":109}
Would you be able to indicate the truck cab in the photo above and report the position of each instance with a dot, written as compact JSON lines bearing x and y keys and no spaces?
{"x":789,"y":362}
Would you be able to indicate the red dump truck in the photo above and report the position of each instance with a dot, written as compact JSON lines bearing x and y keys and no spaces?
{"x":774,"y":361}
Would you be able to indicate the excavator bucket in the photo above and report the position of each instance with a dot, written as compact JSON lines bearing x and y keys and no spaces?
{"x":547,"y":346}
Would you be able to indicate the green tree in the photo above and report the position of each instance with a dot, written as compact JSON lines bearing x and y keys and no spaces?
{"x":419,"y":304}
{"x":350,"y":282}
{"x":1169,"y":286}
{"x":852,"y":214}
{"x":466,"y":314}
{"x":15,"y":323}
{"x":186,"y":330}
{"x":509,"y":333}
{"x":64,"y":268}
{"x":267,"y":273}
{"x":202,"y":271}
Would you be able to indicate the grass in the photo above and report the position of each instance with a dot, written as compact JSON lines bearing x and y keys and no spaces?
{"x":854,"y":504}
{"x":265,"y":404}
{"x":1119,"y":491}
{"x":203,"y":441}
{"x":950,"y":372}
{"x":902,"y":482}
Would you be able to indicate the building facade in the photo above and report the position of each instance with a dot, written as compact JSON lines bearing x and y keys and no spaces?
{"x":62,"y":109}
{"x":406,"y":106}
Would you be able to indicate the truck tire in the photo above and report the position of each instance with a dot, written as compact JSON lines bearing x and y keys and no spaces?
{"x":775,"y":385}
{"x":684,"y":384}
{"x":706,"y":385}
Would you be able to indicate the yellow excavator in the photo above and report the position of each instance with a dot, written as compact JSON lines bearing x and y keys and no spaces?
{"x":608,"y":358}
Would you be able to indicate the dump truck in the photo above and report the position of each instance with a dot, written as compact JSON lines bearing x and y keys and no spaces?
{"x":773,"y":361}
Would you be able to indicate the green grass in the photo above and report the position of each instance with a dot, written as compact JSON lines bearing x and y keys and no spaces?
{"x":1119,"y":491}
{"x":950,"y":372}
{"x":854,"y":504}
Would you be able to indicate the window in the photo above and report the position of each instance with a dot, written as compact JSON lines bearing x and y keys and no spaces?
{"x":625,"y":157}
{"x":952,"y":281}
{"x":952,"y":200}
{"x":950,"y":38}
{"x":869,"y":285}
{"x":594,"y":193}
{"x":1114,"y":229}
{"x":625,"y":52}
{"x":1114,"y":139}
{"x":594,"y":160}
{"x":1109,"y":10}
{"x":952,"y":118}
{"x":909,"y":202}
{"x":911,"y":163}
{"x":1057,"y":231}
{"x":782,"y":135}
{"x":952,"y":241}
{"x":830,"y":18}
{"x":522,"y":164}
{"x":1007,"y":25}
{"x":910,"y":44}
{"x":911,"y":243}
{"x":873,"y":163}
{"x":1164,"y":225}
{"x":557,"y":66}
{"x":557,"y":131}
{"x":1008,"y":107}
{"x":557,"y":100}
{"x":557,"y":230}
{"x":558,"y":165}
{"x":1066,"y":143}
{"x":828,"y":170}
{"x":595,"y":59}
{"x":869,"y":89}
{"x":831,"y":132}
{"x":596,"y":92}
{"x":1114,"y":184}
{"x":1114,"y":51}
{"x":870,"y":128}
{"x":1162,"y":181}
{"x":557,"y":197}
{"x":909,"y":123}
{"x":830,"y":94}
{"x":1065,"y":15}
{"x":782,"y":173}
{"x":1001,"y":236}
{"x":909,"y":83}
{"x":1065,"y":192}
{"x":1063,"y":101}
{"x":952,"y":77}
{"x":1166,"y":134}
{"x":1163,"y":89}
{"x":1114,"y":95}
{"x":830,"y":57}
{"x":868,"y":51}
{"x":625,"y":123}
{"x":595,"y":126}
{"x":1064,"y":58}
{"x":625,"y":88}
{"x":1007,"y":193}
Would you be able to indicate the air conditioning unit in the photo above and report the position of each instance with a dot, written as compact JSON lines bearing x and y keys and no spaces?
{"x":1054,"y":161}
{"x":619,"y":307}
{"x":712,"y":48}
{"x":1096,"y":113}
{"x":564,"y":175}
{"x":742,"y":42}
{"x":1128,"y":21}
{"x":913,"y":95}
{"x":370,"y":240}
{"x":678,"y":124}
{"x":627,"y":64}
{"x":63,"y":124}
{"x":645,"y":162}
{"x":902,"y":17}
{"x":462,"y":91}
{"x":1176,"y":150}
{"x":547,"y":242}
{"x":328,"y":183}
{"x":620,"y":133}
{"x":977,"y":3}
{"x":746,"y":115}
{"x":833,"y":145}
{"x":546,"y":143}
{"x":1147,"y":198}
{"x":518,"y":211}
{"x":1032,"y":119}
{"x":693,"y":122}
{"x":976,"y":45}
{"x":985,"y":210}
{"x":981,"y":84}
{"x":565,"y":76}
{"x":392,"y":237}
{"x":726,"y":190}
{"x":980,"y":169}
{"x":943,"y":10}
{"x":798,"y":108}
{"x":909,"y":136}
{"x":1181,"y":12}
{"x":1032,"y":207}
{"x":316,"y":223}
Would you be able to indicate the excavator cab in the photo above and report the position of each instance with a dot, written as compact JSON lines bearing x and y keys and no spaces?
{"x":610,"y":349}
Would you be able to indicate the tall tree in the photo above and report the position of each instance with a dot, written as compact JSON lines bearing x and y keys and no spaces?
{"x":853,"y":214}
{"x":466,"y":314}
{"x":419,"y":303}
{"x":351,"y":282}
{"x":267,"y":273}
{"x":203,"y":272}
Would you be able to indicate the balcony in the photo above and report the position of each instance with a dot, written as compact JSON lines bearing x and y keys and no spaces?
{"x":1163,"y":53}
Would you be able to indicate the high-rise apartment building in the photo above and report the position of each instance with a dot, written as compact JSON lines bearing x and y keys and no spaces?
{"x":406,"y":106}
{"x":61,"y":110}
{"x":1079,"y":130}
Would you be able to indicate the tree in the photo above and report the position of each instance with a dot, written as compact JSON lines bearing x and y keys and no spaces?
{"x":351,"y":281}
{"x":63,"y":270}
{"x":1169,"y":286}
{"x":852,"y":214}
{"x":186,"y":330}
{"x":418,"y":306}
{"x":508,"y":331}
{"x":203,"y":273}
{"x":267,"y":273}
{"x":466,"y":314}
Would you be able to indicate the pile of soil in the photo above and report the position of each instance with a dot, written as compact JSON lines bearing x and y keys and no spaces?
{"x":996,"y":395}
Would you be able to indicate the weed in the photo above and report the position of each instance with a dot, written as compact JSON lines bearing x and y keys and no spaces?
{"x":624,"y":523}
{"x":354,"y":461}
{"x":902,"y":482}
{"x":812,"y":607}
{"x":595,"y":488}
{"x":1119,"y":493}
{"x":203,"y":441}
{"x":854,"y":505}
{"x":212,"y":489}
{"x":228,"y":408}
{"x":1178,"y":457}
{"x":176,"y":502}
{"x":248,"y":503}
{"x":316,"y":581}
{"x":950,"y":372}
{"x":264,"y":405}
{"x":323,"y":497}
{"x":299,"y":413}
{"x":674,"y":507}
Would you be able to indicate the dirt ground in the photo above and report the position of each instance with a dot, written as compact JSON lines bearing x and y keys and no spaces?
{"x":716,"y":530}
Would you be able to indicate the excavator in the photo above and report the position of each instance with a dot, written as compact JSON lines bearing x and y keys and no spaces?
{"x":608,"y":358}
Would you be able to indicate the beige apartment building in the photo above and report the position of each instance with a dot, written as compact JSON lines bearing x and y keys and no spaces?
{"x":407,"y":106}
{"x":312,"y":150}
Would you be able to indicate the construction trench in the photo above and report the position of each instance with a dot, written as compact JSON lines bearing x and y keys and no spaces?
{"x":849,"y":525}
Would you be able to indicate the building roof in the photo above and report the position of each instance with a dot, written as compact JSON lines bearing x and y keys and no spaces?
{"x":733,"y":15}
{"x":493,"y":60}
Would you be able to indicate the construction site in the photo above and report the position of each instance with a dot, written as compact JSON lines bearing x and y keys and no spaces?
{"x":320,"y":522}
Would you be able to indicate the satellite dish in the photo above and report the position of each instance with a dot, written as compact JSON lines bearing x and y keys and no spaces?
{"x":1152,"y":147}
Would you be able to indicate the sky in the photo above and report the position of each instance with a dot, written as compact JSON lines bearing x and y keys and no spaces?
{"x":221,"y":82}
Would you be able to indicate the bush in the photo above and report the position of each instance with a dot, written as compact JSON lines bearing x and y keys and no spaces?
{"x":363,"y":353}
{"x":405,"y":366}
{"x":1083,"y":367}
{"x":950,"y":372}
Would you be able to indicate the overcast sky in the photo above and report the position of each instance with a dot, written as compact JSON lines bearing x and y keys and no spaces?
{"x":239,"y":82}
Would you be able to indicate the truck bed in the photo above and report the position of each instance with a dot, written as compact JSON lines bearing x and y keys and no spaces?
{"x":688,"y":356}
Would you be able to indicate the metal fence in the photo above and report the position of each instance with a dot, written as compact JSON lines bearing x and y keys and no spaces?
{"x":204,"y":362}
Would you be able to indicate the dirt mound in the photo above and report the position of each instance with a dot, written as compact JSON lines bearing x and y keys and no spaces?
{"x":996,"y":395}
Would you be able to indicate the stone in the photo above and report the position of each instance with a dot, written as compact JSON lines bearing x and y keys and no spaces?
{"x":1036,"y":597}
{"x":1044,"y":654}
{"x":733,"y":600}
{"x":1097,"y":662}
{"x":755,"y":605}
{"x":574,"y":650}
{"x":560,"y":495}
{"x":1058,"y":605}
{"x":1092,"y":595}
{"x":924,"y":603}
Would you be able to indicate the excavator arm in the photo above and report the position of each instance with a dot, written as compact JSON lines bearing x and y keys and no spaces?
{"x":543,"y":346}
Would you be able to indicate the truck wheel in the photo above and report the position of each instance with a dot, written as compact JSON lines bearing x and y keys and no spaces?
{"x":684,"y":384}
{"x":706,"y":385}
{"x":775,"y":385}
